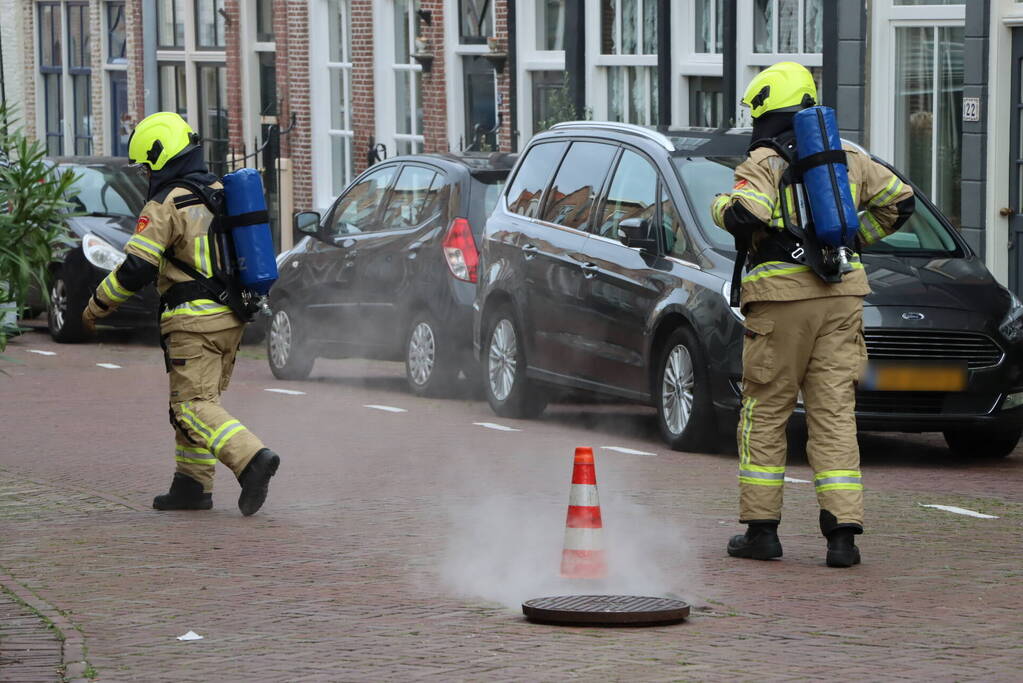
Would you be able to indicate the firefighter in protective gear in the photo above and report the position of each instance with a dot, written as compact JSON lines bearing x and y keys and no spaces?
{"x":801,"y":333}
{"x":200,"y":336}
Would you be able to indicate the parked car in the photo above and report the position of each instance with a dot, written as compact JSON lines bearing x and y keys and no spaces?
{"x":602,"y":271}
{"x":110,"y":197}
{"x":390,"y":271}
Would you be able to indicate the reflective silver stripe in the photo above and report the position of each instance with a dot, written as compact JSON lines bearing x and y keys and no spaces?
{"x":762,"y":475}
{"x":838,"y":480}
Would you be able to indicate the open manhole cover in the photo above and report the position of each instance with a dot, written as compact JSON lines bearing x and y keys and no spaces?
{"x":605,"y":610}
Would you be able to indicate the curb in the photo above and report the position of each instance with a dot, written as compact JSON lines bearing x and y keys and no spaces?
{"x":72,"y":650}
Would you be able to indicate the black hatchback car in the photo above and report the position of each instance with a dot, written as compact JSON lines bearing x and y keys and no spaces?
{"x":390,"y":271}
{"x":601,"y":270}
{"x":102,"y":219}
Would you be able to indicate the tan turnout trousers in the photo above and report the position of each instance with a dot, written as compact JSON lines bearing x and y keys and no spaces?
{"x":200,"y":366}
{"x":817,"y":346}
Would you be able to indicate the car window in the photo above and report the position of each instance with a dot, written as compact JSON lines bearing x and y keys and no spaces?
{"x":577,"y":183}
{"x":414,"y":198}
{"x":633,"y":194}
{"x":675,"y":238}
{"x":533,"y":176}
{"x":107,"y":190}
{"x":484,"y":194}
{"x":357,"y":207}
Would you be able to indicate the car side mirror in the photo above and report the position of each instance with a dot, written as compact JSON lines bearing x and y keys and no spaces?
{"x":305,"y":223}
{"x":636,"y":233}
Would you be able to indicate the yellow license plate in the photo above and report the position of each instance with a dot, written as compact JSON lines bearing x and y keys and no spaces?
{"x":911,"y":377}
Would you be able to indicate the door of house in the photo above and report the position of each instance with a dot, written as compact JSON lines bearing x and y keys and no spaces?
{"x":1014,"y":209}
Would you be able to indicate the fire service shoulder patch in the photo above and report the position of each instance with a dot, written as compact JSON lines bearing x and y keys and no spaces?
{"x":741,"y":184}
{"x":141,"y":225}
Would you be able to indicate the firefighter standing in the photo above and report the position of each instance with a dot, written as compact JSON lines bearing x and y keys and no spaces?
{"x":801,"y":333}
{"x":200,"y":336}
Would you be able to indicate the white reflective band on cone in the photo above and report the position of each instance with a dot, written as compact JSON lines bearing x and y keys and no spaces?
{"x":584,"y":539}
{"x":584,"y":495}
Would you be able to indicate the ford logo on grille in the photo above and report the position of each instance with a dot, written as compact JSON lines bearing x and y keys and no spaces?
{"x":912,"y":315}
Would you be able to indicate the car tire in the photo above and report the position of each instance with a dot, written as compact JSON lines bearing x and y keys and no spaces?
{"x":64,"y":311}
{"x":287,"y":352}
{"x":430,"y":364}
{"x":509,"y":392}
{"x":681,"y":390}
{"x":982,"y":443}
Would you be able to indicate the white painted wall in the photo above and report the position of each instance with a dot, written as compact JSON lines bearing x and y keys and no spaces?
{"x":15,"y":45}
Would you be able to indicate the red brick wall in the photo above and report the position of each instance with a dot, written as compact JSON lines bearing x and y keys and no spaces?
{"x":28,"y":109}
{"x":434,"y":83}
{"x":504,"y":137}
{"x":136,"y":86}
{"x":235,"y":103}
{"x":363,"y":106}
{"x":291,"y":29}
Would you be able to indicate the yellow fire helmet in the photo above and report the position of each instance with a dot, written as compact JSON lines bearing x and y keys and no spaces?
{"x":159,"y":138}
{"x":785,"y":86}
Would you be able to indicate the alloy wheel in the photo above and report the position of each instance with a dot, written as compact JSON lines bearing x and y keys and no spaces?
{"x":677,"y":389}
{"x":422,"y":353}
{"x":501,"y":362}
{"x":58,"y":304}
{"x":280,"y":339}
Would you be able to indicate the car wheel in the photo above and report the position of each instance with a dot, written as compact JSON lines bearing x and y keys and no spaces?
{"x":982,"y":443}
{"x":64,"y":311}
{"x":430,"y":366}
{"x":683,"y":403}
{"x":508,"y":390}
{"x":286,"y":351}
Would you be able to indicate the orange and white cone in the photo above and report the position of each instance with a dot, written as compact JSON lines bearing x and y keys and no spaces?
{"x":583,"y":556}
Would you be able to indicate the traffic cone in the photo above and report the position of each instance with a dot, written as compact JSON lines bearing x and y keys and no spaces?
{"x":583,"y":556}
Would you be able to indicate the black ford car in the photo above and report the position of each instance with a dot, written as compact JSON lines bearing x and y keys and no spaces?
{"x":601,"y":270}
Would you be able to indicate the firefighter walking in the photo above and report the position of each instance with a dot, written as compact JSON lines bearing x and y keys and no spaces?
{"x":801,"y":332}
{"x":200,"y":335}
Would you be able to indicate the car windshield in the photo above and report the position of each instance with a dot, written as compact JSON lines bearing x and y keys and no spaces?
{"x":704,"y":177}
{"x":107,"y":190}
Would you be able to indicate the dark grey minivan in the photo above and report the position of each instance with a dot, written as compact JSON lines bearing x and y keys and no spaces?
{"x":602,"y":271}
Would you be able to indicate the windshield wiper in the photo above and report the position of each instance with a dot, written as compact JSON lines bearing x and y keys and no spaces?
{"x":108,"y":214}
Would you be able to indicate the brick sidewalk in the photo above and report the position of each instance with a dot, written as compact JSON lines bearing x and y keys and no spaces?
{"x":29,"y":651}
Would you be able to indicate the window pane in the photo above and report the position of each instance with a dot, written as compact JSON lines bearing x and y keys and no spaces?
{"x":675,"y":237}
{"x":548,"y":93}
{"x":120,"y":125}
{"x":402,"y":102}
{"x":480,"y":104}
{"x":265,"y":21}
{"x":615,"y":93}
{"x":339,"y":32}
{"x":705,"y":101}
{"x":116,"y":43}
{"x":410,"y":198}
{"x":54,"y":113}
{"x":609,"y":27}
{"x":914,"y":103}
{"x":949,"y":120}
{"x":82,"y":116}
{"x":532,"y":177}
{"x":209,"y":23}
{"x":813,"y":23}
{"x":213,"y":115}
{"x":417,"y":103}
{"x":357,"y":208}
{"x":629,"y":24}
{"x":704,"y":25}
{"x":577,"y":183}
{"x":633,"y":194}
{"x":474,"y":20}
{"x":401,"y":31}
{"x":930,"y":2}
{"x":268,"y":83}
{"x":340,"y":161}
{"x":78,"y":36}
{"x":172,"y":88}
{"x":338,"y":101}
{"x":649,"y":27}
{"x":550,"y":25}
{"x":171,"y":23}
{"x":763,"y":26}
{"x":788,"y":26}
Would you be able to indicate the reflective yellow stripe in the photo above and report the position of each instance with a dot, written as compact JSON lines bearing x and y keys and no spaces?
{"x":840,"y":487}
{"x":826,"y":474}
{"x":197,"y":307}
{"x":760,"y":272}
{"x":854,"y":188}
{"x":113,"y":289}
{"x":195,"y":461}
{"x":221,"y":437}
{"x":718,"y":210}
{"x":761,"y":482}
{"x":838,"y":480}
{"x":200,"y":427}
{"x":147,"y":245}
{"x":757,"y":197}
{"x":116,"y":284}
{"x":769,"y":469}
{"x":747,"y":426}
{"x":884,"y":196}
{"x":202,"y":258}
{"x":193,"y":449}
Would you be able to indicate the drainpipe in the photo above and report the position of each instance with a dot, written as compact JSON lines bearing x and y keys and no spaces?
{"x":513,"y":77}
{"x":729,"y":64}
{"x":575,"y":54}
{"x":151,"y":98}
{"x":664,"y":62}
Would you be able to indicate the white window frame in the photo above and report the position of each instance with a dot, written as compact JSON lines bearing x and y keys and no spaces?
{"x":453,"y":66}
{"x":688,"y":62}
{"x":597,"y":63}
{"x":386,"y":72}
{"x":320,"y":68}
{"x":530,"y":60}
{"x":67,"y":93}
{"x":252,"y":120}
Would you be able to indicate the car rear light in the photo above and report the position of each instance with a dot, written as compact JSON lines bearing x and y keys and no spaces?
{"x":460,"y":251}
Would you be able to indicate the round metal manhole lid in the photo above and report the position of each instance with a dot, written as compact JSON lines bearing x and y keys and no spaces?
{"x":605,"y":610}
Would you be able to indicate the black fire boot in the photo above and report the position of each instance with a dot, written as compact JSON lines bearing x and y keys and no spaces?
{"x":255,"y":480}
{"x":842,"y":550}
{"x":760,"y":542}
{"x":185,"y":494}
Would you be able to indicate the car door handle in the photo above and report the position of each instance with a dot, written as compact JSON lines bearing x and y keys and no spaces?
{"x":413,"y":250}
{"x":590,"y":270}
{"x":530,"y":251}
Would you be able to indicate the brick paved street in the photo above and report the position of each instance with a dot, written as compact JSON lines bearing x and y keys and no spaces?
{"x":398,"y":545}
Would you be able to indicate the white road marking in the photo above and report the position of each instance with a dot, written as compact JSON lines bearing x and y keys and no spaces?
{"x":43,"y":353}
{"x":494,"y":425}
{"x":797,"y":481}
{"x":386,"y":409}
{"x":960,"y":511}
{"x":109,"y":366}
{"x":289,"y":392}
{"x":626,"y":451}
